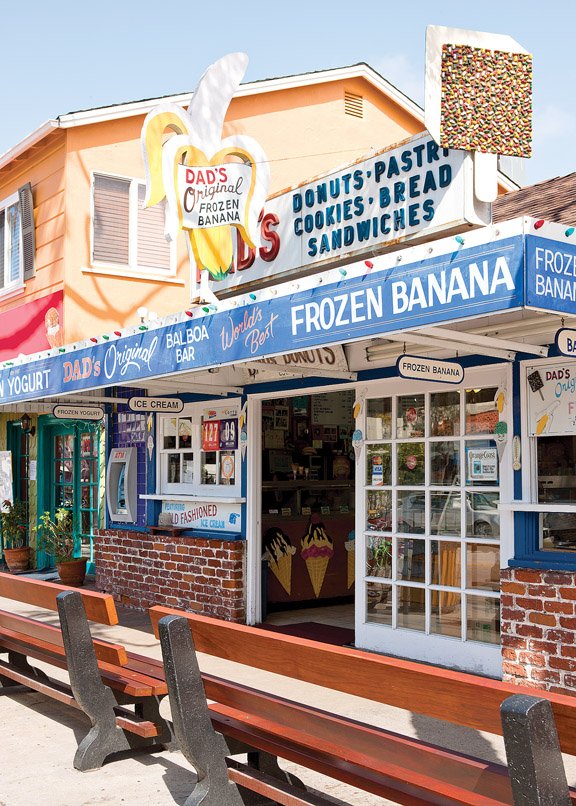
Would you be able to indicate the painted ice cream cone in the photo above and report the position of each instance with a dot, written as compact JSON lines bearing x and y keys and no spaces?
{"x":278,"y":551}
{"x":317,"y":549}
{"x":350,"y":546}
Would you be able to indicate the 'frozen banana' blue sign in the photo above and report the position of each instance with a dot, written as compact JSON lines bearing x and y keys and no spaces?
{"x":550,"y":275}
{"x":470,"y":282}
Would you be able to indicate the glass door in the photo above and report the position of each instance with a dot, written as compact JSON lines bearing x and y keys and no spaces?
{"x":431,"y":525}
{"x":74,"y":479}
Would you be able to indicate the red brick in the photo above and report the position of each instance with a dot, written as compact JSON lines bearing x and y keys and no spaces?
{"x":513,"y":587}
{"x":542,"y":618}
{"x":544,"y":591}
{"x":545,"y":675}
{"x":526,"y":575}
{"x":557,"y":578}
{"x":559,"y":607}
{"x":513,"y":614}
{"x":532,"y":658}
{"x":547,"y":647}
{"x":529,"y":603}
{"x":568,"y":651}
{"x":564,"y":636}
{"x":529,"y":630}
{"x":568,"y":593}
{"x":568,"y":623}
{"x":514,"y":641}
{"x":562,"y":663}
{"x":514,"y":669}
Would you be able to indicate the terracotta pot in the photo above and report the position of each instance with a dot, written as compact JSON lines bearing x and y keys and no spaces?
{"x":72,"y":572}
{"x":17,"y":559}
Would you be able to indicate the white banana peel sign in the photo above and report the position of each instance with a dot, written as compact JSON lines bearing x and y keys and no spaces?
{"x":210,"y":184}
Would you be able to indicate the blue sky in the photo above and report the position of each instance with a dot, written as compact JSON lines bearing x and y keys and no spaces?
{"x":63,"y":56}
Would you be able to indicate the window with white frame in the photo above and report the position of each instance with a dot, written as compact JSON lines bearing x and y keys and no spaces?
{"x":199,"y":451}
{"x":11,"y":256}
{"x":124,"y":233}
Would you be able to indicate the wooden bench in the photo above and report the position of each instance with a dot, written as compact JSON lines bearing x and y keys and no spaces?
{"x":379,"y":761}
{"x":103,"y":678}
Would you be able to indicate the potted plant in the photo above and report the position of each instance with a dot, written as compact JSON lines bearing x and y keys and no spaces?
{"x":13,"y":516}
{"x":56,"y":538}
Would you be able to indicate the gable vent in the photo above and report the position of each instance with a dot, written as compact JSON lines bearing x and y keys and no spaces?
{"x":353,"y":105}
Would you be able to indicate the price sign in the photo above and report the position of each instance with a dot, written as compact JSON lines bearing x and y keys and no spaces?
{"x":211,"y":435}
{"x":229,"y":435}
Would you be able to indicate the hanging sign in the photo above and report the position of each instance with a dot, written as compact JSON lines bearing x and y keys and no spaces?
{"x":566,"y":341}
{"x":62,"y":412}
{"x":162,"y":404}
{"x":428,"y":369}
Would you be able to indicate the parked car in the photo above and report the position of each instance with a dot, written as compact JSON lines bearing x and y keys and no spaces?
{"x":482,"y":517}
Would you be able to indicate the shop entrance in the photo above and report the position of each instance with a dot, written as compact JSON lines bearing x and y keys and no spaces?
{"x":71,"y":456}
{"x":430,"y":488}
{"x":307,"y":522}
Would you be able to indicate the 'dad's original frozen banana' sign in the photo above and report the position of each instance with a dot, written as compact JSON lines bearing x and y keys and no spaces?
{"x":210,"y":184}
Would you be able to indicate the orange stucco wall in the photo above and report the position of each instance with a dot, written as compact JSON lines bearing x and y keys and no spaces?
{"x":304,"y":132}
{"x":44,"y":168}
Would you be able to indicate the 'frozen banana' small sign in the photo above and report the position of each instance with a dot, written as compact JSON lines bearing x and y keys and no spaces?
{"x":428,"y":369}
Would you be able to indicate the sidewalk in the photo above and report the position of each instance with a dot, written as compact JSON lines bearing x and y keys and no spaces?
{"x":40,"y":738}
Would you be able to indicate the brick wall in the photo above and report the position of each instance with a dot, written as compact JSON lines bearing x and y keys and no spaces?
{"x":140,"y":570}
{"x":539,"y":628}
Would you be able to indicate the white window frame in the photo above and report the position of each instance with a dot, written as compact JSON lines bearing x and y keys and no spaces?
{"x":196,"y":489}
{"x":132,"y":268}
{"x":13,"y":285}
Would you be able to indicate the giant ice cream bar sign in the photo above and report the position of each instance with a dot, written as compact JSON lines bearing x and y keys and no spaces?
{"x":211,"y":197}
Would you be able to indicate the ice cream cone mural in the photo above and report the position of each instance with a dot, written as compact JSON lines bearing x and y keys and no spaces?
{"x":350,"y":546}
{"x":278,"y":552}
{"x":317,"y":550}
{"x":210,"y":185}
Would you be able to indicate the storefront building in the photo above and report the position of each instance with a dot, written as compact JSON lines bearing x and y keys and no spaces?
{"x":376,"y":412}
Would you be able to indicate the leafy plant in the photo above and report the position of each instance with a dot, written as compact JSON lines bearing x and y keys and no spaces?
{"x":14,"y":523}
{"x":56,"y":536}
{"x":380,"y":556}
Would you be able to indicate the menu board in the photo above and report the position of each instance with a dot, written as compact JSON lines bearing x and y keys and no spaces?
{"x":551,"y":392}
{"x":220,"y":435}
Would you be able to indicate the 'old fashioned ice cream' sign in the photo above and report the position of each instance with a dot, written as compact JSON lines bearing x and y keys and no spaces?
{"x":551,"y":391}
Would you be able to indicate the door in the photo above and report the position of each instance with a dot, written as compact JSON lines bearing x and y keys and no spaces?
{"x":72,"y":467}
{"x":429,"y":488}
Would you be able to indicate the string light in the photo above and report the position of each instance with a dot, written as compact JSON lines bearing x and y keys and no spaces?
{"x":62,"y":349}
{"x":538,"y":224}
{"x":369,"y":264}
{"x":142,"y":327}
{"x":459,"y":239}
{"x":343,"y":272}
{"x":104,"y":336}
{"x":569,"y":232}
{"x":94,"y":339}
{"x":189,"y":313}
{"x":117,"y":332}
{"x":252,"y":296}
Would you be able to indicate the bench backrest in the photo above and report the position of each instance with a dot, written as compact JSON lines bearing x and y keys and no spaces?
{"x":457,"y":697}
{"x":99,"y":607}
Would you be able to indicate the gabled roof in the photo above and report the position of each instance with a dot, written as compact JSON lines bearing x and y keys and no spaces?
{"x":142,"y":107}
{"x":553,"y":200}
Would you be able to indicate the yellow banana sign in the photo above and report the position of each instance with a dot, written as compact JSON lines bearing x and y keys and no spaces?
{"x":210,"y":184}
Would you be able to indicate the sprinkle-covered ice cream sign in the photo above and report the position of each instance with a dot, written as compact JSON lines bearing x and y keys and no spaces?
{"x":210,"y":184}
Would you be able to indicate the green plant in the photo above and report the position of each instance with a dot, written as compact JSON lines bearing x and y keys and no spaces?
{"x":380,"y":555}
{"x":14,"y":523}
{"x":56,"y":536}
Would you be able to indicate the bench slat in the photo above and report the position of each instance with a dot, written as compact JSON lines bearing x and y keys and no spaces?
{"x":99,"y":607}
{"x":30,"y":628}
{"x":273,"y":788}
{"x":452,"y":696}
